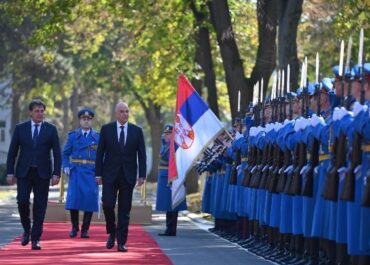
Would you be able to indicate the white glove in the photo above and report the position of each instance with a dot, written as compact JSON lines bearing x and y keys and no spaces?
{"x":66,"y":170}
{"x":238,"y":135}
{"x":298,"y":125}
{"x":304,"y":169}
{"x":253,"y":169}
{"x":336,"y":113}
{"x":316,"y":120}
{"x":289,"y":169}
{"x":357,"y":108}
{"x":358,"y":172}
{"x":342,"y":173}
{"x":252,"y":131}
{"x":305,"y":123}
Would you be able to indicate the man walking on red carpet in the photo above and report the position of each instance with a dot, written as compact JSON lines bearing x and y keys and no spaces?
{"x":29,"y":164}
{"x":120,"y":149}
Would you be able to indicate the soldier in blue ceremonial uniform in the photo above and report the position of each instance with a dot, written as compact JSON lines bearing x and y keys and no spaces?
{"x":79,"y":164}
{"x":358,"y":211}
{"x":164,"y":201}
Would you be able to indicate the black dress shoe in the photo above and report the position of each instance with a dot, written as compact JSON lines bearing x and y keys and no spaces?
{"x":110,"y":241}
{"x":73,"y":233}
{"x":167,"y":234}
{"x":36,"y":245}
{"x":25,"y":238}
{"x":121,"y":248}
{"x":85,"y":234}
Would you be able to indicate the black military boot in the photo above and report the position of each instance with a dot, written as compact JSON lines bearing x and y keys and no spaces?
{"x":171,"y":224}
{"x":86,"y":224}
{"x":74,"y":221}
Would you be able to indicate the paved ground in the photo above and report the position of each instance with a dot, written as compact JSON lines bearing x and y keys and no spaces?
{"x":193,"y":244}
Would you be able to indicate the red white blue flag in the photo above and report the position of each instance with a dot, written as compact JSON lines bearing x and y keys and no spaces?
{"x":195,"y":127}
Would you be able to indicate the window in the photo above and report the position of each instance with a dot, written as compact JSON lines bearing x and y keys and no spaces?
{"x":2,"y":131}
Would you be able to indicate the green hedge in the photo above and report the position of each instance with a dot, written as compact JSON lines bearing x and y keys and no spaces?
{"x":2,"y":174}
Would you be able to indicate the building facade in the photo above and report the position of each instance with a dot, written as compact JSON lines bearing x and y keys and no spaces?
{"x":5,"y":117}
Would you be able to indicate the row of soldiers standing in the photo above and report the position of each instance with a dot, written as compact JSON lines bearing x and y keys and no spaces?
{"x":294,"y":186}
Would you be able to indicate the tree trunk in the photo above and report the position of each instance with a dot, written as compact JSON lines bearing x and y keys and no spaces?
{"x":289,"y":16}
{"x":16,"y":111}
{"x":74,"y":107}
{"x":154,"y":117}
{"x":65,"y":119}
{"x":117,"y":98}
{"x":266,"y":53}
{"x":203,"y":57}
{"x":233,"y":65}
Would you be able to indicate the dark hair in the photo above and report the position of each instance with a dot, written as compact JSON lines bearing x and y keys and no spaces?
{"x":36,"y":102}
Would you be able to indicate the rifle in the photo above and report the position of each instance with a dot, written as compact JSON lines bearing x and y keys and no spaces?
{"x":339,"y":155}
{"x":365,"y":200}
{"x":296,"y":186}
{"x":330,"y":191}
{"x":278,"y":154}
{"x":238,"y":158}
{"x":348,"y":193}
{"x":287,"y":158}
{"x":288,"y":188}
{"x":252,"y":154}
{"x":314,"y":155}
{"x":256,"y":174}
{"x":265,"y":179}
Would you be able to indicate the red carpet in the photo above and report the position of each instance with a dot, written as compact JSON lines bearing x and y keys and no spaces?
{"x":58,"y":248}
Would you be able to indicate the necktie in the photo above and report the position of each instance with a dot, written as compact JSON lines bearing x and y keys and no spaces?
{"x":85,"y":134}
{"x":35,"y":135}
{"x":122,"y":138}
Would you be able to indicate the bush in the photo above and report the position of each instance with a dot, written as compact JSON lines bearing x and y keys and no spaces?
{"x":2,"y":174}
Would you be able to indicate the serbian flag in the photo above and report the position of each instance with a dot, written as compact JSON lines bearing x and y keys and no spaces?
{"x":195,"y":127}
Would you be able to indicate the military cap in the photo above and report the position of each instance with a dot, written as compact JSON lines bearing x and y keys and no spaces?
{"x":85,"y":112}
{"x":291,"y":95}
{"x":356,"y":73}
{"x":250,"y":108}
{"x":326,"y":85}
{"x":335,"y":69}
{"x":298,"y":92}
{"x":267,"y":101}
{"x":367,"y":68}
{"x":310,"y":89}
{"x":168,"y":128}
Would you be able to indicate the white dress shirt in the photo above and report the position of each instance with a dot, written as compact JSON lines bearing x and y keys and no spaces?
{"x":119,"y":130}
{"x":33,"y":127}
{"x":87,"y":132}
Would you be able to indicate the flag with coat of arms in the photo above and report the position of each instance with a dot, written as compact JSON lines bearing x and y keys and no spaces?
{"x":195,"y":127}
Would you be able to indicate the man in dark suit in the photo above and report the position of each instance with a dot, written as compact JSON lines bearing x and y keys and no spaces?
{"x":31,"y":147}
{"x":121,"y":147}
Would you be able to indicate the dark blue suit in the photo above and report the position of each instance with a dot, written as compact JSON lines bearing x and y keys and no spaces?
{"x":33,"y":171}
{"x":119,"y":168}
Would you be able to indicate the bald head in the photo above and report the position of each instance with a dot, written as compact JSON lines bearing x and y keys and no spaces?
{"x":122,"y":112}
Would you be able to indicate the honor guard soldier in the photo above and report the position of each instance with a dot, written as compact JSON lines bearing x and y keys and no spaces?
{"x":79,"y":164}
{"x":164,"y":201}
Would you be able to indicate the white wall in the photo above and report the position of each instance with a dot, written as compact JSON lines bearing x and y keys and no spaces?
{"x":5,"y":117}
